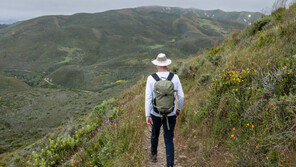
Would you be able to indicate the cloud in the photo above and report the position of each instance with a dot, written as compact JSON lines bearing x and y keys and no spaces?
{"x":24,"y":9}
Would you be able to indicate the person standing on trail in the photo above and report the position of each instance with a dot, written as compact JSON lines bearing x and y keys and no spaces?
{"x":161,"y":108}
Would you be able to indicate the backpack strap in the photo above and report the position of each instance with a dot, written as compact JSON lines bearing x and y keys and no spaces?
{"x":156,"y":77}
{"x":170,"y":77}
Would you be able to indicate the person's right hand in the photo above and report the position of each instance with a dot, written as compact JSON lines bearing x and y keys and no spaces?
{"x":149,"y":121}
{"x":178,"y":113}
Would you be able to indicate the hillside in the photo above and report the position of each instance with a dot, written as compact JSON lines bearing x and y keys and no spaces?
{"x":28,"y":113}
{"x":241,"y":97}
{"x":102,"y":48}
{"x":55,"y":69}
{"x":239,"y":109}
{"x":9,"y":84}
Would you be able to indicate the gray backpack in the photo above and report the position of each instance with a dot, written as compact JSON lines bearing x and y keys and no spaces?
{"x":164,"y":101}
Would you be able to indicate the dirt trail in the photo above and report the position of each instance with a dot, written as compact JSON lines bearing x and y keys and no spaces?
{"x":161,"y":155}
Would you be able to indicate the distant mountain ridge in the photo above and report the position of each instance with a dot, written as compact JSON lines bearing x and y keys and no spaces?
{"x":3,"y":26}
{"x":102,"y":48}
{"x":8,"y":21}
{"x":243,"y":17}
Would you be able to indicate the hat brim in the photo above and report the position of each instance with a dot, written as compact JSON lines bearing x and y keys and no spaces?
{"x":164,"y":63}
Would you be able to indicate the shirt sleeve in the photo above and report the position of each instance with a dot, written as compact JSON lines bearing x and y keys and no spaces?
{"x":148,"y":98}
{"x":180,"y":95}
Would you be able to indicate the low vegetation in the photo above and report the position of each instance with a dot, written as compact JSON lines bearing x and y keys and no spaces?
{"x":239,"y":109}
{"x":109,"y":135}
{"x":62,"y":66}
{"x":241,"y":97}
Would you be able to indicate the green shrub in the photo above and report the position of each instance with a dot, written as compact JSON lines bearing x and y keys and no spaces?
{"x":187,"y":71}
{"x":259,"y":24}
{"x":242,"y":103}
{"x":204,"y":78}
{"x":59,"y":148}
{"x":201,"y":62}
{"x":214,"y":59}
{"x":174,"y":69}
{"x":278,"y":14}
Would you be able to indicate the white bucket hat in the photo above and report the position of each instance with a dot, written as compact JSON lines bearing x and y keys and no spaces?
{"x":161,"y":60}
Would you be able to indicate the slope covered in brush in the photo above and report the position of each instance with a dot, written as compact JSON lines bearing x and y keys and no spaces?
{"x":241,"y":101}
{"x":111,"y":135}
{"x":101,"y":52}
{"x":239,"y":110}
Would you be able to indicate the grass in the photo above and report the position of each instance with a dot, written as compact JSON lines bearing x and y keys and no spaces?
{"x":29,"y":113}
{"x":65,"y":58}
{"x":239,"y":109}
{"x":239,"y":105}
{"x":22,"y":125}
{"x":240,"y":97}
{"x":107,"y":136}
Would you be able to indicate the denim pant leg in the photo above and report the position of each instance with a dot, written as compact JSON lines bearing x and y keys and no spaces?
{"x":155,"y":133}
{"x":168,"y":139}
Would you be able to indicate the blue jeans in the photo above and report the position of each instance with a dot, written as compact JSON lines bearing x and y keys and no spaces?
{"x":168,"y":136}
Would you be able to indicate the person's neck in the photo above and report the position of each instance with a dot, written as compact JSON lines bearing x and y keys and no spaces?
{"x":161,"y":69}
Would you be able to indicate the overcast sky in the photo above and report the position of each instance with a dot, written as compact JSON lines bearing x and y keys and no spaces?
{"x":25,"y":9}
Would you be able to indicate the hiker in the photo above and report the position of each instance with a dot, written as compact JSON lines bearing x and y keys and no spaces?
{"x":160,"y":107}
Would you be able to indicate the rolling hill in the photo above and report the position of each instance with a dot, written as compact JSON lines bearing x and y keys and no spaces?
{"x":239,"y":110}
{"x":102,"y":48}
{"x":55,"y":69}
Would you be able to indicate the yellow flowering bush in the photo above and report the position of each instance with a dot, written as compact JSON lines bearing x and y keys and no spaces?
{"x":248,"y":100}
{"x":232,"y":79}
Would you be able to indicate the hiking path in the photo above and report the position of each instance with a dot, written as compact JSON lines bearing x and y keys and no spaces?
{"x":161,"y":155}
